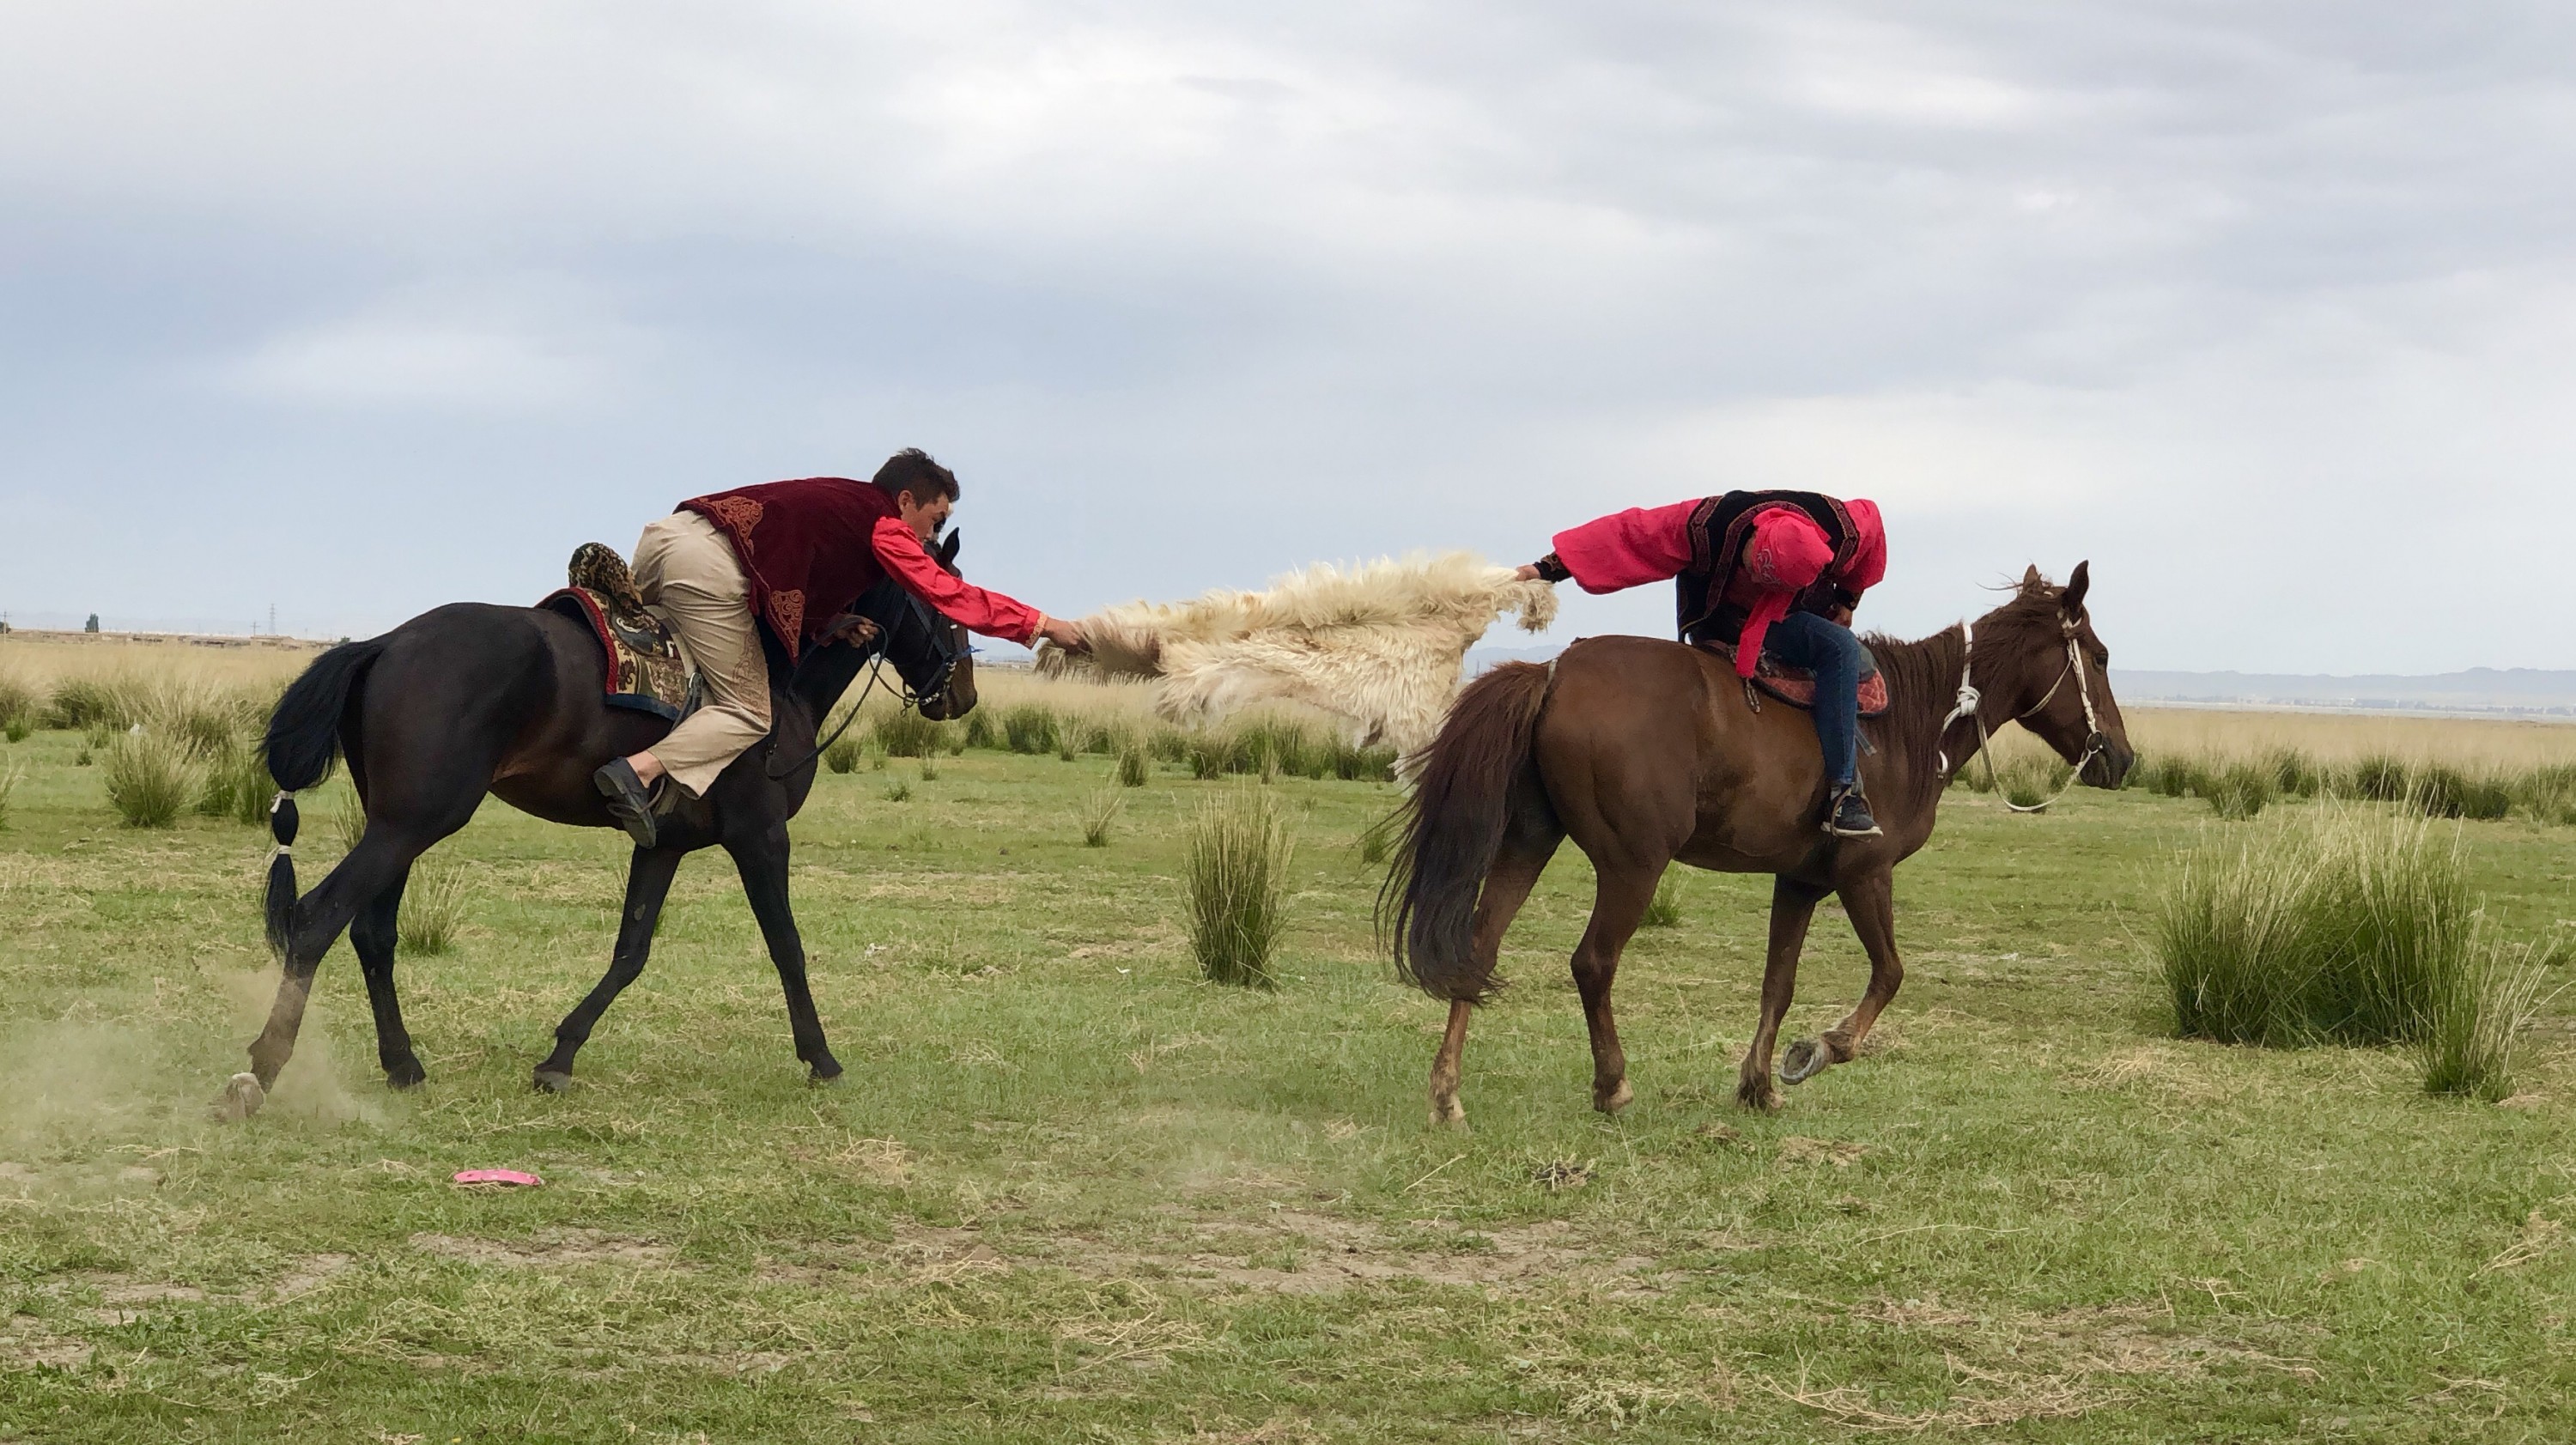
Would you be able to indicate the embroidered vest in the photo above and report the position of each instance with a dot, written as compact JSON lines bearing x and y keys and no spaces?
{"x":1718,"y":527}
{"x":807,"y":546}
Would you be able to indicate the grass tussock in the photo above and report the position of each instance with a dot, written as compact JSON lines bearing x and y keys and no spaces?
{"x":1664,"y":910}
{"x":433,"y":907}
{"x":19,"y":704}
{"x":237,"y":785}
{"x":2470,"y":1041}
{"x":907,"y":734}
{"x":151,"y":777}
{"x":1135,"y":767}
{"x":844,"y":753}
{"x":1099,"y":812}
{"x":2346,"y":927}
{"x":1235,"y":871}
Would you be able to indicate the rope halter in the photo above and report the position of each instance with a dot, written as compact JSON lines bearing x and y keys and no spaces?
{"x":1970,"y":702}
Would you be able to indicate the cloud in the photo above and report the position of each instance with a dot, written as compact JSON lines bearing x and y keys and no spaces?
{"x":2249,"y":305}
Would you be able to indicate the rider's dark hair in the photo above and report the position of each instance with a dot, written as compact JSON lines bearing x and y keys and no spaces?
{"x":912,"y":470}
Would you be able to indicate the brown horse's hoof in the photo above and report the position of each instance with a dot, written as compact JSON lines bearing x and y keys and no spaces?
{"x":553,"y":1081}
{"x":241,"y":1098}
{"x":1614,"y":1101}
{"x":1758,"y":1096}
{"x":1802,"y":1061}
{"x":1448,"y":1113}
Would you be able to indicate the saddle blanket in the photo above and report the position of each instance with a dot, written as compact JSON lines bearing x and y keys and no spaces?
{"x":645,"y":670}
{"x":1796,"y":686}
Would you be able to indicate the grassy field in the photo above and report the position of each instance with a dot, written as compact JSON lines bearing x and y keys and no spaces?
{"x":1069,"y":1191}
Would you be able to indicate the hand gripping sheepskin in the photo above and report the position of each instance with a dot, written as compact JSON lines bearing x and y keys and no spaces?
{"x":1379,"y":645}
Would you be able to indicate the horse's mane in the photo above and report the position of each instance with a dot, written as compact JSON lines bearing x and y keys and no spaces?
{"x":1923,"y":674}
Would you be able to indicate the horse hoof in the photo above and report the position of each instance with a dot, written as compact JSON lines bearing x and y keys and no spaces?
{"x":406,"y":1077}
{"x":553,"y":1081}
{"x":822,"y":1080}
{"x":1614,"y":1101}
{"x":1448,"y":1113}
{"x":240,"y":1099}
{"x":1760,"y":1098}
{"x":1803,"y":1061}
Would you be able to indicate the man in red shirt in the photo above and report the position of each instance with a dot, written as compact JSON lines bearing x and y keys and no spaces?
{"x":793,"y":556}
{"x":1756,"y":571}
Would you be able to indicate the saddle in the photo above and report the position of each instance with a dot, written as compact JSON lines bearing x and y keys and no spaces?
{"x":645,"y":669}
{"x":1796,"y":686}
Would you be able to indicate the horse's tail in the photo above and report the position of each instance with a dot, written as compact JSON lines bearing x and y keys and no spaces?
{"x":302,"y":740}
{"x":1452,"y":829}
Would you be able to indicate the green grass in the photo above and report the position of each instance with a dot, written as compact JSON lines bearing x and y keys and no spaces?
{"x":1070,"y":1191}
{"x":1234,"y":866}
{"x":150,"y":777}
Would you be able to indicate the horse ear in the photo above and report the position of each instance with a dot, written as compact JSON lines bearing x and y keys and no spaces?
{"x":2031,"y":578}
{"x":948,"y":550}
{"x":2071,"y":602}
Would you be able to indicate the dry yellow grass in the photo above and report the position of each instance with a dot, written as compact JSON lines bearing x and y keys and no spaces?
{"x":43,"y":659}
{"x":2479,"y":745}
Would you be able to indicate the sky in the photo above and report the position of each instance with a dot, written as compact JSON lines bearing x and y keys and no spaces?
{"x":348,"y":311}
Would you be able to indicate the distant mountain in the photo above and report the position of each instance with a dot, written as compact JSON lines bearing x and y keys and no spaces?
{"x":2478,"y":692}
{"x":2506,"y":692}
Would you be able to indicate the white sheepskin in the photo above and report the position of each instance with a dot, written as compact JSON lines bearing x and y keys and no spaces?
{"x":1380,"y":645}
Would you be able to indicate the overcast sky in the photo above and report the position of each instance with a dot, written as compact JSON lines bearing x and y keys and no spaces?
{"x":356,"y":309}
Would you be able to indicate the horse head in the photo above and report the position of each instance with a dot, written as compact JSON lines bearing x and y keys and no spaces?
{"x":2052,"y":675}
{"x":928,"y":651}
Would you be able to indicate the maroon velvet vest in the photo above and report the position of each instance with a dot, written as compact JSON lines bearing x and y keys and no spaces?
{"x":807,"y":546}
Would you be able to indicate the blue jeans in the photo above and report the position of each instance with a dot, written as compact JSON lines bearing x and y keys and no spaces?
{"x":1830,"y":651}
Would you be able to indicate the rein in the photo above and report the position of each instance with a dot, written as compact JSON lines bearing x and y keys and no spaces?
{"x":876,"y":678}
{"x":1970,"y":702}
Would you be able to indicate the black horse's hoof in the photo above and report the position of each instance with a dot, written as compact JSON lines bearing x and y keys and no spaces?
{"x":823,"y":1075}
{"x":406,"y":1079}
{"x":553,"y":1081}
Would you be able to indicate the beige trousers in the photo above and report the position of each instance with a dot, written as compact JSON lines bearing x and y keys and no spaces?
{"x":688,"y":574}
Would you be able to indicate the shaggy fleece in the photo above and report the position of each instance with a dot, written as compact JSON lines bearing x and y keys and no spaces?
{"x":1379,"y":645}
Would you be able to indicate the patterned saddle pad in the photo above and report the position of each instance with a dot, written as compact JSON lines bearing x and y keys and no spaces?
{"x":1796,"y":686}
{"x":645,"y":669}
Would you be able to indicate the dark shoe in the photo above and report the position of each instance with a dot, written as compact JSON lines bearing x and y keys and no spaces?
{"x":1849,"y":816}
{"x":628,"y":801}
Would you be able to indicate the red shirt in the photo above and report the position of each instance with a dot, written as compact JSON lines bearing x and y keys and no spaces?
{"x":811,"y":547}
{"x":1653,"y":544}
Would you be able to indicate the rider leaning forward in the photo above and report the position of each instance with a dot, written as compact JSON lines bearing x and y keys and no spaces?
{"x":794,"y":555}
{"x":1776,"y":572}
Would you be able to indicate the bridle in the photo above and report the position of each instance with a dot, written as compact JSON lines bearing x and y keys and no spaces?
{"x":1969,"y":706}
{"x":943,"y":645}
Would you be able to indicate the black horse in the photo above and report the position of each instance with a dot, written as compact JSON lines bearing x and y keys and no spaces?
{"x":471,"y":698}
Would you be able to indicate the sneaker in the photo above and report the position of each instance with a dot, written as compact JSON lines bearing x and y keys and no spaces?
{"x":628,"y":800}
{"x":1849,"y":816}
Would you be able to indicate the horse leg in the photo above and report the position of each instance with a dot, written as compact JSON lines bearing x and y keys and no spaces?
{"x":381,"y":860}
{"x":762,"y":861}
{"x":648,"y":882}
{"x":1793,"y":904}
{"x":1871,"y":903}
{"x":1619,"y":900}
{"x":1507,"y":886}
{"x":372,"y":934}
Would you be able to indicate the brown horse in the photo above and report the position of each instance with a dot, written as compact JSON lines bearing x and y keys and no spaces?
{"x":1647,"y":752}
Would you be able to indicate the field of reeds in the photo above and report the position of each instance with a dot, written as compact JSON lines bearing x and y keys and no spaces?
{"x":1071,"y":1188}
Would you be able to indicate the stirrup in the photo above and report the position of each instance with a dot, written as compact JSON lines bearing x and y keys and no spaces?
{"x":1834,"y":821}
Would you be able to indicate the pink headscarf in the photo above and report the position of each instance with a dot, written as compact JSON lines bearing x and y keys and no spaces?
{"x":1786,"y":554}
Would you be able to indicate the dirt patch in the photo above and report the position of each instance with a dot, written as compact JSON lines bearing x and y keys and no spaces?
{"x":551,"y":1249}
{"x":1295,"y":1252}
{"x":1290,"y":1252}
{"x":920,"y":1254}
{"x":2012,"y":1366}
{"x":1840,"y":1153}
{"x":26,"y":1343}
{"x":309,"y":1274}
